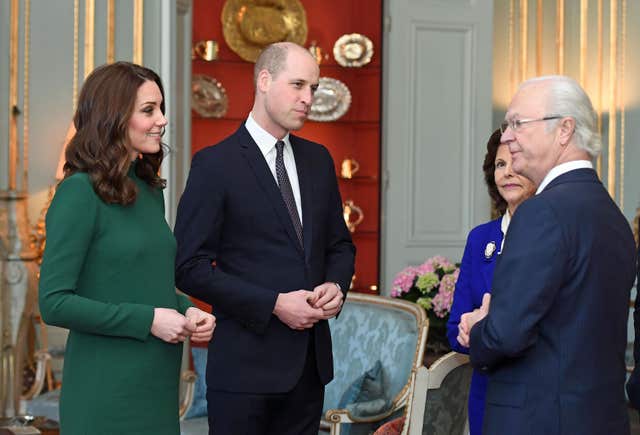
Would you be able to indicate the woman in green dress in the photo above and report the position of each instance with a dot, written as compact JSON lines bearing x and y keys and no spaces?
{"x":108,"y":268}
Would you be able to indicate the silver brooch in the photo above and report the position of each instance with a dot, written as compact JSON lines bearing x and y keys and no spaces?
{"x":489,"y":250}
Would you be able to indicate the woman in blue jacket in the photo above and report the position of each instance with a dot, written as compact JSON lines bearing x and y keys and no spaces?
{"x":484,"y":244}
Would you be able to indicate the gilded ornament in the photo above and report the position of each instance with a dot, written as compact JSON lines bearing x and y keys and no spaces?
{"x":250,"y":25}
{"x":208,"y":97}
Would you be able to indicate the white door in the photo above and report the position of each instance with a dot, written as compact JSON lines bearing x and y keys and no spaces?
{"x":438,"y":117}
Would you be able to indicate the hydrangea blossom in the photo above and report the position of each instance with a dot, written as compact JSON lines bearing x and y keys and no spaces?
{"x":430,"y":284}
{"x":442,"y":303}
{"x":427,"y":282}
{"x":424,"y":302}
{"x":448,"y":282}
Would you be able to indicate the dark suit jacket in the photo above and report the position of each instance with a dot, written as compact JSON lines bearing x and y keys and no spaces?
{"x":237,"y":250}
{"x":475,"y":279}
{"x":554,"y":340}
{"x":633,"y":384}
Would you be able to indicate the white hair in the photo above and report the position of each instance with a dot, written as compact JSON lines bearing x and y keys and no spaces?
{"x":567,"y":98}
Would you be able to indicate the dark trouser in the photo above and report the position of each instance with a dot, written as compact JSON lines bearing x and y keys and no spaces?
{"x":296,"y":412}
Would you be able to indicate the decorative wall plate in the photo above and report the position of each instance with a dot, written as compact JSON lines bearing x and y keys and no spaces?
{"x":250,"y":25}
{"x":331,"y":100}
{"x":208,"y":97}
{"x":353,"y":50}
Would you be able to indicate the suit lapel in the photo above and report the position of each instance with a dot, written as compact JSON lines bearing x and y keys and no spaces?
{"x":258,"y":164}
{"x":303,"y":167}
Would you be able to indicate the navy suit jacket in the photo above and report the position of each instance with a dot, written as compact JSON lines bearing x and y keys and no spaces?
{"x":633,"y":384}
{"x":237,"y":250}
{"x":554,"y":340}
{"x":475,"y":279}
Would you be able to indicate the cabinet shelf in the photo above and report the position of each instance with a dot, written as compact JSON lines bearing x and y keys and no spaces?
{"x":359,"y":179}
{"x":364,"y":233}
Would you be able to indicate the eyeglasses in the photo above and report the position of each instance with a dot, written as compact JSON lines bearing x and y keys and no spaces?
{"x":515,"y":124}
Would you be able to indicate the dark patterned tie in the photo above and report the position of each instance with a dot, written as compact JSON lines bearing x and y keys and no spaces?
{"x":287,"y":191}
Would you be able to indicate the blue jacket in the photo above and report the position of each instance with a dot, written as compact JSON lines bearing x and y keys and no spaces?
{"x":553,"y":343}
{"x":476,"y":276}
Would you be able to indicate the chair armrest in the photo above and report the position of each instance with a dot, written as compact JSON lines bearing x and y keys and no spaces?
{"x":189,"y":379}
{"x":42,"y":358}
{"x":336,"y":417}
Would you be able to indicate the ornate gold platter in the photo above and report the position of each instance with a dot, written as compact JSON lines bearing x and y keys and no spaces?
{"x":250,"y":25}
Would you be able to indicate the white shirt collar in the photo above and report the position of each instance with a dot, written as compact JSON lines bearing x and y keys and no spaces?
{"x":265,"y":141}
{"x":563,"y":168}
{"x":504,"y":226}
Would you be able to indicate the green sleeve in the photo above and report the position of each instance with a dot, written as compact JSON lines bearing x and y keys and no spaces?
{"x":71,"y":224}
{"x":184,"y":303}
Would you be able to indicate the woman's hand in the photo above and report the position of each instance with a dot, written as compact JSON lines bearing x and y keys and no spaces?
{"x":205,"y":324}
{"x":171,"y":326}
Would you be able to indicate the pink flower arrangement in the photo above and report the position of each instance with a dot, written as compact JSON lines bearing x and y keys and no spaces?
{"x":430,"y":285}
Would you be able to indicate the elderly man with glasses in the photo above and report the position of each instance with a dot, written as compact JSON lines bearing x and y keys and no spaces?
{"x":553,"y":333}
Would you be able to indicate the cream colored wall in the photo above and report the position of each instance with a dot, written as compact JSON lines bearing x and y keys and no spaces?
{"x":50,"y":91}
{"x":50,"y":56}
{"x":502,"y":71}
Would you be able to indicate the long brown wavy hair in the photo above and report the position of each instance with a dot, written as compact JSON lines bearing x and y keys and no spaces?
{"x":99,"y":146}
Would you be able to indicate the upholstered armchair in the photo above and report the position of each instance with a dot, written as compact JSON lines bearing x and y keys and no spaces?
{"x":439,"y":405}
{"x":382,"y":337}
{"x":378,"y":347}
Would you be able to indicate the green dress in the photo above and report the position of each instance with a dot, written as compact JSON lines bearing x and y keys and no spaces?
{"x":105,"y":268}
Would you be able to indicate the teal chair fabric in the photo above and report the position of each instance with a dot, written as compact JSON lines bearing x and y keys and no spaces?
{"x":363,"y":334}
{"x":45,"y":405}
{"x":372,"y":329}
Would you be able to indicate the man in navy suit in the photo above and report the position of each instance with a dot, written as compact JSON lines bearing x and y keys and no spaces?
{"x":261,"y":237}
{"x":553,"y":333}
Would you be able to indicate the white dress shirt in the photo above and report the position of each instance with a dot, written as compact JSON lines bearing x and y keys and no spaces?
{"x":563,"y":168}
{"x":267,"y":145}
{"x":504,"y":226}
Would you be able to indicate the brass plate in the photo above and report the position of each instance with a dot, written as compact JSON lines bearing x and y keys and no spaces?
{"x":250,"y":25}
{"x":208,"y":97}
{"x":353,"y":50}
